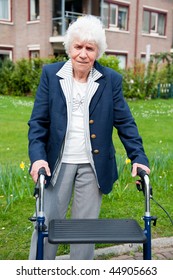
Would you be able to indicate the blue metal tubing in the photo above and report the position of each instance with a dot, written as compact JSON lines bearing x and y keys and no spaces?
{"x":147,"y":246}
{"x":41,"y":227}
{"x":147,"y":217}
{"x":41,"y":235}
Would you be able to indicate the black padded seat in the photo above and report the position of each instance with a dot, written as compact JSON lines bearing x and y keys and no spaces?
{"x":95,"y":231}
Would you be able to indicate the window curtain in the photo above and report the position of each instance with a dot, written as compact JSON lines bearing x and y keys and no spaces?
{"x":113,"y":13}
{"x":122,"y":18}
{"x":122,"y":61}
{"x":34,"y":9}
{"x":161,"y":24}
{"x":105,"y":14}
{"x":146,"y":22}
{"x":4,"y":9}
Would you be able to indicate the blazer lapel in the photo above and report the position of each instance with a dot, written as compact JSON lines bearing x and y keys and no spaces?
{"x":65,"y":73}
{"x":95,"y":89}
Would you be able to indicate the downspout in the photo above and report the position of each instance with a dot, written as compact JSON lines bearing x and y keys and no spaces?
{"x":89,"y":7}
{"x":136,"y":31}
{"x":63,"y":17}
{"x":101,"y":10}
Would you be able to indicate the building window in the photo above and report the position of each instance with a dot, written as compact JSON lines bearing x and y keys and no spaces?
{"x":34,"y":10}
{"x":122,"y":60}
{"x":116,"y":16}
{"x":34,"y":54}
{"x":122,"y":57}
{"x":105,"y":15}
{"x":5,"y":10}
{"x":5,"y":54}
{"x":154,"y":22}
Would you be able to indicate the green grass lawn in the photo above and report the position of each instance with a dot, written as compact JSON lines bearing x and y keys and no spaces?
{"x":155,"y":122}
{"x":14,"y":115}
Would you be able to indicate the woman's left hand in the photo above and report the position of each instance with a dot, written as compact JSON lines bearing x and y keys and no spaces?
{"x":136,"y":165}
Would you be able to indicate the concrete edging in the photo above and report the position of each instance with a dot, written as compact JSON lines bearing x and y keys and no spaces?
{"x":126,"y":248}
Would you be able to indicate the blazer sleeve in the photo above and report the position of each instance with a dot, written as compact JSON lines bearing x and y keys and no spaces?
{"x":39,"y":121}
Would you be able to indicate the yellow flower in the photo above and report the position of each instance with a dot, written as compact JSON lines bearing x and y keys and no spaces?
{"x":128,"y":161}
{"x":22,"y":165}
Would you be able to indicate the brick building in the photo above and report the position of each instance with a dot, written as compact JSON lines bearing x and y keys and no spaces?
{"x":134,"y":28}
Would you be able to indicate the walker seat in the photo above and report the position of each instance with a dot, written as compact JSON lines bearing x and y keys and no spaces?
{"x":95,"y":231}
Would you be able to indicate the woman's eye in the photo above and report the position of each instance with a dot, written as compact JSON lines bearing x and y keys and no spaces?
{"x":89,"y":49}
{"x":78,"y":47}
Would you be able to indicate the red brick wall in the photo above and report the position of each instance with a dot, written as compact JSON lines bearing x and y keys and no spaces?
{"x":22,"y":34}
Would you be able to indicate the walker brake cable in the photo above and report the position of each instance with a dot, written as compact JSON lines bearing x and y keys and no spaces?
{"x":140,"y":184}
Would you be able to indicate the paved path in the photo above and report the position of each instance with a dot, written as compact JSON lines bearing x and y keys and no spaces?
{"x":160,"y":253}
{"x":162,"y":249}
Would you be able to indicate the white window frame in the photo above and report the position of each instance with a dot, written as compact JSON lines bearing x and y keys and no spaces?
{"x":117,"y":8}
{"x":34,"y":54}
{"x":34,"y":51}
{"x":8,"y":53}
{"x":8,"y":17}
{"x":156,"y":15}
{"x":114,"y":7}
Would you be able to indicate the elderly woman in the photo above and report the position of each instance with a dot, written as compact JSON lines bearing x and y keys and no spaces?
{"x":77,"y":104}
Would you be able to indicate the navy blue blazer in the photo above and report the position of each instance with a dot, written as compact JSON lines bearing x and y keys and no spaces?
{"x":108,"y":109}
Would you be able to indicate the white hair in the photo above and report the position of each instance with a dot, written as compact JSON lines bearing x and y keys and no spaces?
{"x":86,"y":28}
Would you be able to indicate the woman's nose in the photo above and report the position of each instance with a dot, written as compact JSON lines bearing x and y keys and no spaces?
{"x":83,"y":53}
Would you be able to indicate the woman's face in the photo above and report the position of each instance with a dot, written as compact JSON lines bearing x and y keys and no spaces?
{"x":83,"y":55}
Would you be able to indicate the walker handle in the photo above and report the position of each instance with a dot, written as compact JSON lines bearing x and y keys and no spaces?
{"x":40,"y":186}
{"x":141,"y":172}
{"x":147,"y":190}
{"x":42,"y":171}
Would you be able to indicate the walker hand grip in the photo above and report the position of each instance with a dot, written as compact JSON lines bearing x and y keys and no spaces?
{"x":141,"y":173}
{"x":42,"y":171}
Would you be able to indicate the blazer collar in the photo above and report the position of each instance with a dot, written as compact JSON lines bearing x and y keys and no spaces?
{"x":66,"y":72}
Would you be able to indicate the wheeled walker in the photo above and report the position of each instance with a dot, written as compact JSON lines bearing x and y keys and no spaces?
{"x":118,"y":231}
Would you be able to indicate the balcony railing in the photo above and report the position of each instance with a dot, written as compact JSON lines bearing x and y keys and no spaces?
{"x":60,"y":24}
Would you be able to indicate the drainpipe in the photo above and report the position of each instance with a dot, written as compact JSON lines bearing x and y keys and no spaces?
{"x":89,"y":7}
{"x":136,"y":31}
{"x":101,"y":11}
{"x":63,"y":17}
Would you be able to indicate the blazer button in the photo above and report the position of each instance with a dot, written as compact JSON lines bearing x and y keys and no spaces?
{"x":93,"y":136}
{"x":91,"y":121}
{"x":96,"y":152}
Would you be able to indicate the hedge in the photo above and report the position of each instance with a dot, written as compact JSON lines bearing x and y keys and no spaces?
{"x":22,"y":78}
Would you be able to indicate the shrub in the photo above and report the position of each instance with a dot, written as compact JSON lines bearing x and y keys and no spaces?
{"x":22,"y":78}
{"x":22,"y":81}
{"x":6,"y":70}
{"x":110,"y":61}
{"x":139,"y":81}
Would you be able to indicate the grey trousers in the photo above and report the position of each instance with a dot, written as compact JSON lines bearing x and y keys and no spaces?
{"x":75,"y":182}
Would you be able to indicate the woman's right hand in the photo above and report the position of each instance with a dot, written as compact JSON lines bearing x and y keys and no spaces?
{"x":35,"y":168}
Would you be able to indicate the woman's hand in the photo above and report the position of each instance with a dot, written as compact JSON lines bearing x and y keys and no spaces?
{"x":35,"y":168}
{"x":136,"y":165}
